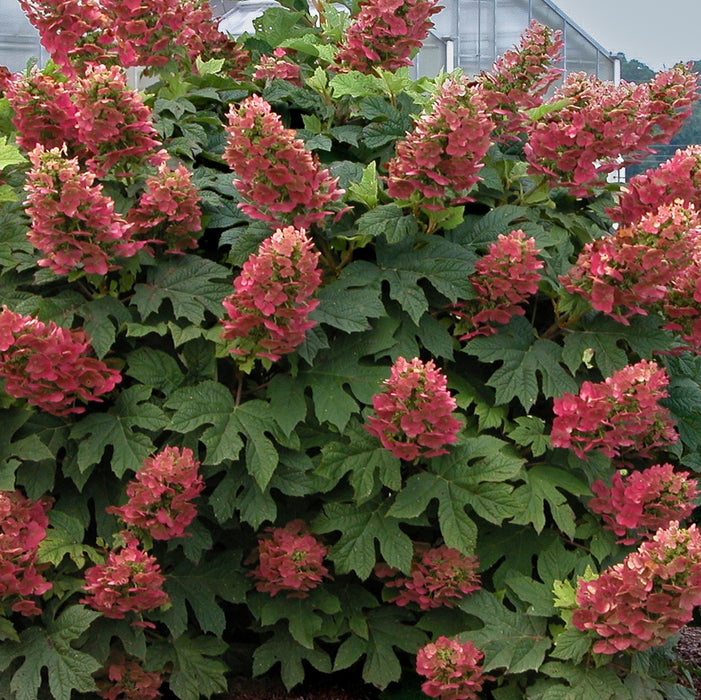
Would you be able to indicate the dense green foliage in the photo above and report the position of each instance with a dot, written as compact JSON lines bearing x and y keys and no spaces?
{"x":284,"y":441}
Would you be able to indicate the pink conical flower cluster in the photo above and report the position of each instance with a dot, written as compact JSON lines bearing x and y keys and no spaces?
{"x":603,"y":127}
{"x":113,"y":123}
{"x":129,"y":581}
{"x":268,"y":313}
{"x":505,"y":278}
{"x":414,"y":414}
{"x":642,"y":502}
{"x":439,"y":577}
{"x":452,"y":668}
{"x":520,"y":78}
{"x":648,"y":597}
{"x":131,"y":33}
{"x":281,"y":180}
{"x":634,"y":270}
{"x":618,"y":416}
{"x":384,"y":33}
{"x":129,"y":681}
{"x":289,"y":560}
{"x":50,"y":366}
{"x":677,"y":178}
{"x":44,"y":112}
{"x":161,"y":494}
{"x":168,"y":211}
{"x":276,"y":67}
{"x":653,"y":266}
{"x":73,"y":223}
{"x":23,"y":526}
{"x":440,"y":159}
{"x":74,"y":32}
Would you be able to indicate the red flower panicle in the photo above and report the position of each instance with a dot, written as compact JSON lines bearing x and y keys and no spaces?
{"x":603,"y":127}
{"x":113,"y":123}
{"x":520,"y":78}
{"x":74,"y":32}
{"x":648,"y":597}
{"x":168,"y":211}
{"x":281,"y":180}
{"x":677,"y":178}
{"x":269,"y":310}
{"x":129,"y":581}
{"x":43,"y":110}
{"x":504,"y":280}
{"x":145,"y":33}
{"x":161,"y":494}
{"x":617,"y":416}
{"x":642,"y":502}
{"x":290,"y":560}
{"x":73,"y":223}
{"x":131,"y":33}
{"x":441,"y":158}
{"x":275,"y":66}
{"x":635,"y":270}
{"x":50,"y":366}
{"x":129,"y":681}
{"x":23,"y":526}
{"x":384,"y":33}
{"x":439,"y":577}
{"x":452,"y":669}
{"x":414,"y":414}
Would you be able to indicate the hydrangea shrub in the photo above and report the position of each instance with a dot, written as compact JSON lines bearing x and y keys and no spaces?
{"x":307,"y":367}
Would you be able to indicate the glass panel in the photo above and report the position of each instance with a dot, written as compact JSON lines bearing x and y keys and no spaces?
{"x":468,"y":36}
{"x":431,"y":58}
{"x":487,"y":39}
{"x":581,"y":53}
{"x":606,"y":69}
{"x":19,"y":41}
{"x":512,"y":19}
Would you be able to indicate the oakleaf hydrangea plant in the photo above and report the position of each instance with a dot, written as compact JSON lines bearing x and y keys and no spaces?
{"x":309,"y":369}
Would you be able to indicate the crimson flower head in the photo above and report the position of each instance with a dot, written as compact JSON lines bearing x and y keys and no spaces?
{"x":602,"y":127}
{"x":504,"y":278}
{"x":643,"y":267}
{"x":648,"y":597}
{"x":677,"y":178}
{"x":439,"y":577}
{"x":639,"y":504}
{"x":168,"y":211}
{"x":452,"y":669}
{"x":290,"y":560}
{"x":129,"y":681}
{"x":43,"y":110}
{"x":50,"y":366}
{"x":146,"y":34}
{"x":161,"y":494}
{"x":520,"y":78}
{"x":384,"y":33}
{"x":129,"y":581}
{"x":23,"y":526}
{"x":281,"y":181}
{"x":439,"y":161}
{"x":73,"y":222}
{"x":414,"y":414}
{"x":276,"y":67}
{"x":620,"y":415}
{"x":74,"y":32}
{"x":269,"y":309}
{"x":113,"y":123}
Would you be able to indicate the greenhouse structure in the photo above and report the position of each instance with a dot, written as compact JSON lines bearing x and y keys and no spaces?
{"x":467,"y":33}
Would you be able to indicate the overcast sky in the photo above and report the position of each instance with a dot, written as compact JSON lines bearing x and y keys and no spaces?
{"x":659,"y":34}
